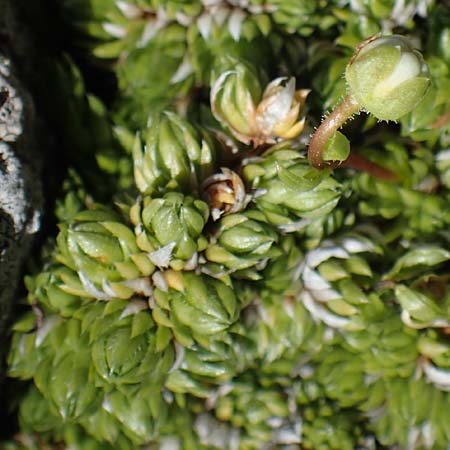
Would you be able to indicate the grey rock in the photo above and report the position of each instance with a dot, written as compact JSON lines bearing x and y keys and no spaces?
{"x":20,"y":186}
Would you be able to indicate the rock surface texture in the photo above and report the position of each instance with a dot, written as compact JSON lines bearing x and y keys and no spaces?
{"x":20,"y":187}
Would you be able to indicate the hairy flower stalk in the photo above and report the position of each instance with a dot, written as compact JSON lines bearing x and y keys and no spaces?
{"x":387,"y":78}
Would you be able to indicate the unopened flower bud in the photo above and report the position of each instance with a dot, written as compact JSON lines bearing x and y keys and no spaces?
{"x":172,"y":155}
{"x":225,"y":193}
{"x":234,"y":96}
{"x":387,"y":76}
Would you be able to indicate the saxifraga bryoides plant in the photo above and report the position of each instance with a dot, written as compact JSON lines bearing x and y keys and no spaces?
{"x":227,"y":274}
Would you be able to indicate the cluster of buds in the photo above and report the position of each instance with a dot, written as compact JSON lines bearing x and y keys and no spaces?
{"x":255,"y":117}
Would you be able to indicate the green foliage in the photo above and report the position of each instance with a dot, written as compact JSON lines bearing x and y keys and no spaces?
{"x":208,"y":289}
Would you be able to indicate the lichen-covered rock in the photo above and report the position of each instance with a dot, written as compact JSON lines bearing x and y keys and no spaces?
{"x":20,"y":188}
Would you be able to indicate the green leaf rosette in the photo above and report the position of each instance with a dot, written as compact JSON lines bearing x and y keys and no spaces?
{"x":302,"y":17}
{"x":420,"y":284}
{"x":196,"y":308}
{"x":435,"y":350}
{"x":36,"y":413}
{"x":429,"y":121}
{"x":58,"y":289}
{"x":289,"y":192}
{"x":337,"y":281}
{"x":243,"y":245}
{"x":412,"y":403}
{"x":340,"y":375}
{"x":280,"y":330}
{"x":140,"y":412}
{"x":249,"y":409}
{"x":169,"y":229}
{"x":109,"y":29}
{"x":280,"y":273}
{"x":198,"y":371}
{"x":409,"y":208}
{"x":62,"y":374}
{"x":172,"y":155}
{"x":102,"y":250}
{"x":129,"y":352}
{"x":388,"y":347}
{"x":325,"y":425}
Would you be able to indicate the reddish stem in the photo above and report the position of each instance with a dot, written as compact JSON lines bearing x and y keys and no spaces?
{"x":327,"y":128}
{"x":358,"y":162}
{"x":442,"y":120}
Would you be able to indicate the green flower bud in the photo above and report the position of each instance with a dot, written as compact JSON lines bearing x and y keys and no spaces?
{"x":243,"y":241}
{"x":225,"y":193}
{"x":172,"y":155}
{"x":387,"y":76}
{"x":170,"y":229}
{"x":234,"y":96}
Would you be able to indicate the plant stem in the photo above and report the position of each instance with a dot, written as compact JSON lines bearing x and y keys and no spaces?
{"x":327,"y":128}
{"x":358,"y":162}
